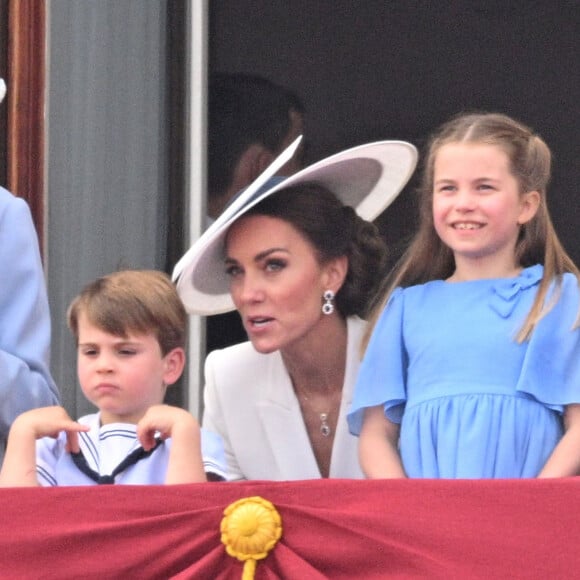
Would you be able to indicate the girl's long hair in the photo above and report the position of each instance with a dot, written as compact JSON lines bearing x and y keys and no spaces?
{"x":428,"y":258}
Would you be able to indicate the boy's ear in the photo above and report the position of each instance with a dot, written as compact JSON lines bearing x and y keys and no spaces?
{"x":174,"y":364}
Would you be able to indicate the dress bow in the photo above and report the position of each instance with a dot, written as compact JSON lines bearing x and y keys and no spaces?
{"x":505,"y":292}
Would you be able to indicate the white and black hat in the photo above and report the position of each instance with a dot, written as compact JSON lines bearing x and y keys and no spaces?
{"x":367,"y":177}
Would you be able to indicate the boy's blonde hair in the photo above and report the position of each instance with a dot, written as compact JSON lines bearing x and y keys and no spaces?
{"x":428,"y":258}
{"x":133,"y":301}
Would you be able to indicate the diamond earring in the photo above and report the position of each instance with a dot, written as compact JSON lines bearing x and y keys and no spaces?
{"x":328,"y":306}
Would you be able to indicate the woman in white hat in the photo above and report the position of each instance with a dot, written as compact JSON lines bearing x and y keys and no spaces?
{"x":302,"y":269}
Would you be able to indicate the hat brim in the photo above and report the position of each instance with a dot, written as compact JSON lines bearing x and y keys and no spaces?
{"x":367,"y":177}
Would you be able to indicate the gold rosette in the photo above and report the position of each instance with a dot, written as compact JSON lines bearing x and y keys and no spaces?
{"x":250,"y":529}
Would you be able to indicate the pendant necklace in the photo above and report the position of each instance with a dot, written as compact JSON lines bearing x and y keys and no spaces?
{"x":324,"y":426}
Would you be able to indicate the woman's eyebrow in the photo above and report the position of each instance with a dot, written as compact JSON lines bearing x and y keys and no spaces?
{"x":259,"y":256}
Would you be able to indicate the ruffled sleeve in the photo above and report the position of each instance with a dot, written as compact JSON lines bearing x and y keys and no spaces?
{"x":551,"y":369}
{"x":382,"y":375}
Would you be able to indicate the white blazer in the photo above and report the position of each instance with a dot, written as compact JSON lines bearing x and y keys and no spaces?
{"x":250,"y":402}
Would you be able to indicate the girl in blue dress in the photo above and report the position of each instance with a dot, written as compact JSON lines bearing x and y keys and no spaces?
{"x":472,"y":368}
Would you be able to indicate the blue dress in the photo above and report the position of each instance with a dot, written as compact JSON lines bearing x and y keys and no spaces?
{"x":471,"y":401}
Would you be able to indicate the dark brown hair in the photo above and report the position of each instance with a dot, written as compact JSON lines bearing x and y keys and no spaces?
{"x":334,"y":230}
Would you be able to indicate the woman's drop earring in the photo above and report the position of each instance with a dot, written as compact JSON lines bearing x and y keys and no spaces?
{"x":328,"y":306}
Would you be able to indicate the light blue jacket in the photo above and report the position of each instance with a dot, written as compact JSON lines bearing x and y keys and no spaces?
{"x":25,"y":380}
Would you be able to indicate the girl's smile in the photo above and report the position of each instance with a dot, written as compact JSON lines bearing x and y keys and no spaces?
{"x":478,"y":208}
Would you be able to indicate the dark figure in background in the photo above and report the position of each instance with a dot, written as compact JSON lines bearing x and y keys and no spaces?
{"x":251,"y":121}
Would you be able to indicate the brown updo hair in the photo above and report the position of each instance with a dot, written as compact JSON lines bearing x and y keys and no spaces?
{"x":334,"y":230}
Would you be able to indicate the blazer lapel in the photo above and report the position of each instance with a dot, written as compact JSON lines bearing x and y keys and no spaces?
{"x":284,"y":428}
{"x":344,"y":461}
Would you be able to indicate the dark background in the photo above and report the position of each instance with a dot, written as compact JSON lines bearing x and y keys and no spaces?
{"x":396,"y":70}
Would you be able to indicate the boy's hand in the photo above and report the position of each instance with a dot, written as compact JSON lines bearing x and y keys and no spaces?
{"x":49,"y":422}
{"x":169,"y":421}
{"x":185,"y":461}
{"x":19,"y":467}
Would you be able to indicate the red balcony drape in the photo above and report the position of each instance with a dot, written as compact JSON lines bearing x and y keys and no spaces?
{"x":331,"y":529}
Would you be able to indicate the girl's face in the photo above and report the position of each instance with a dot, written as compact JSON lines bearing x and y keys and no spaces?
{"x":123,"y":376}
{"x":276,"y":281}
{"x":478,"y":208}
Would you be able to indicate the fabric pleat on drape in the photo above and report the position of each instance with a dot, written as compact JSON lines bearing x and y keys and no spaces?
{"x":335,"y":529}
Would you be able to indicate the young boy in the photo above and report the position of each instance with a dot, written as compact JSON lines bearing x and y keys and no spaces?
{"x":130,"y":331}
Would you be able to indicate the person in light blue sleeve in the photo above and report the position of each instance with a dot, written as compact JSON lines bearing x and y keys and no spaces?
{"x":472,"y":369}
{"x":25,"y":379}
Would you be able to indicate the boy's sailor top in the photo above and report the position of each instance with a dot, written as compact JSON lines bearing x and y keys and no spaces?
{"x":104,"y":448}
